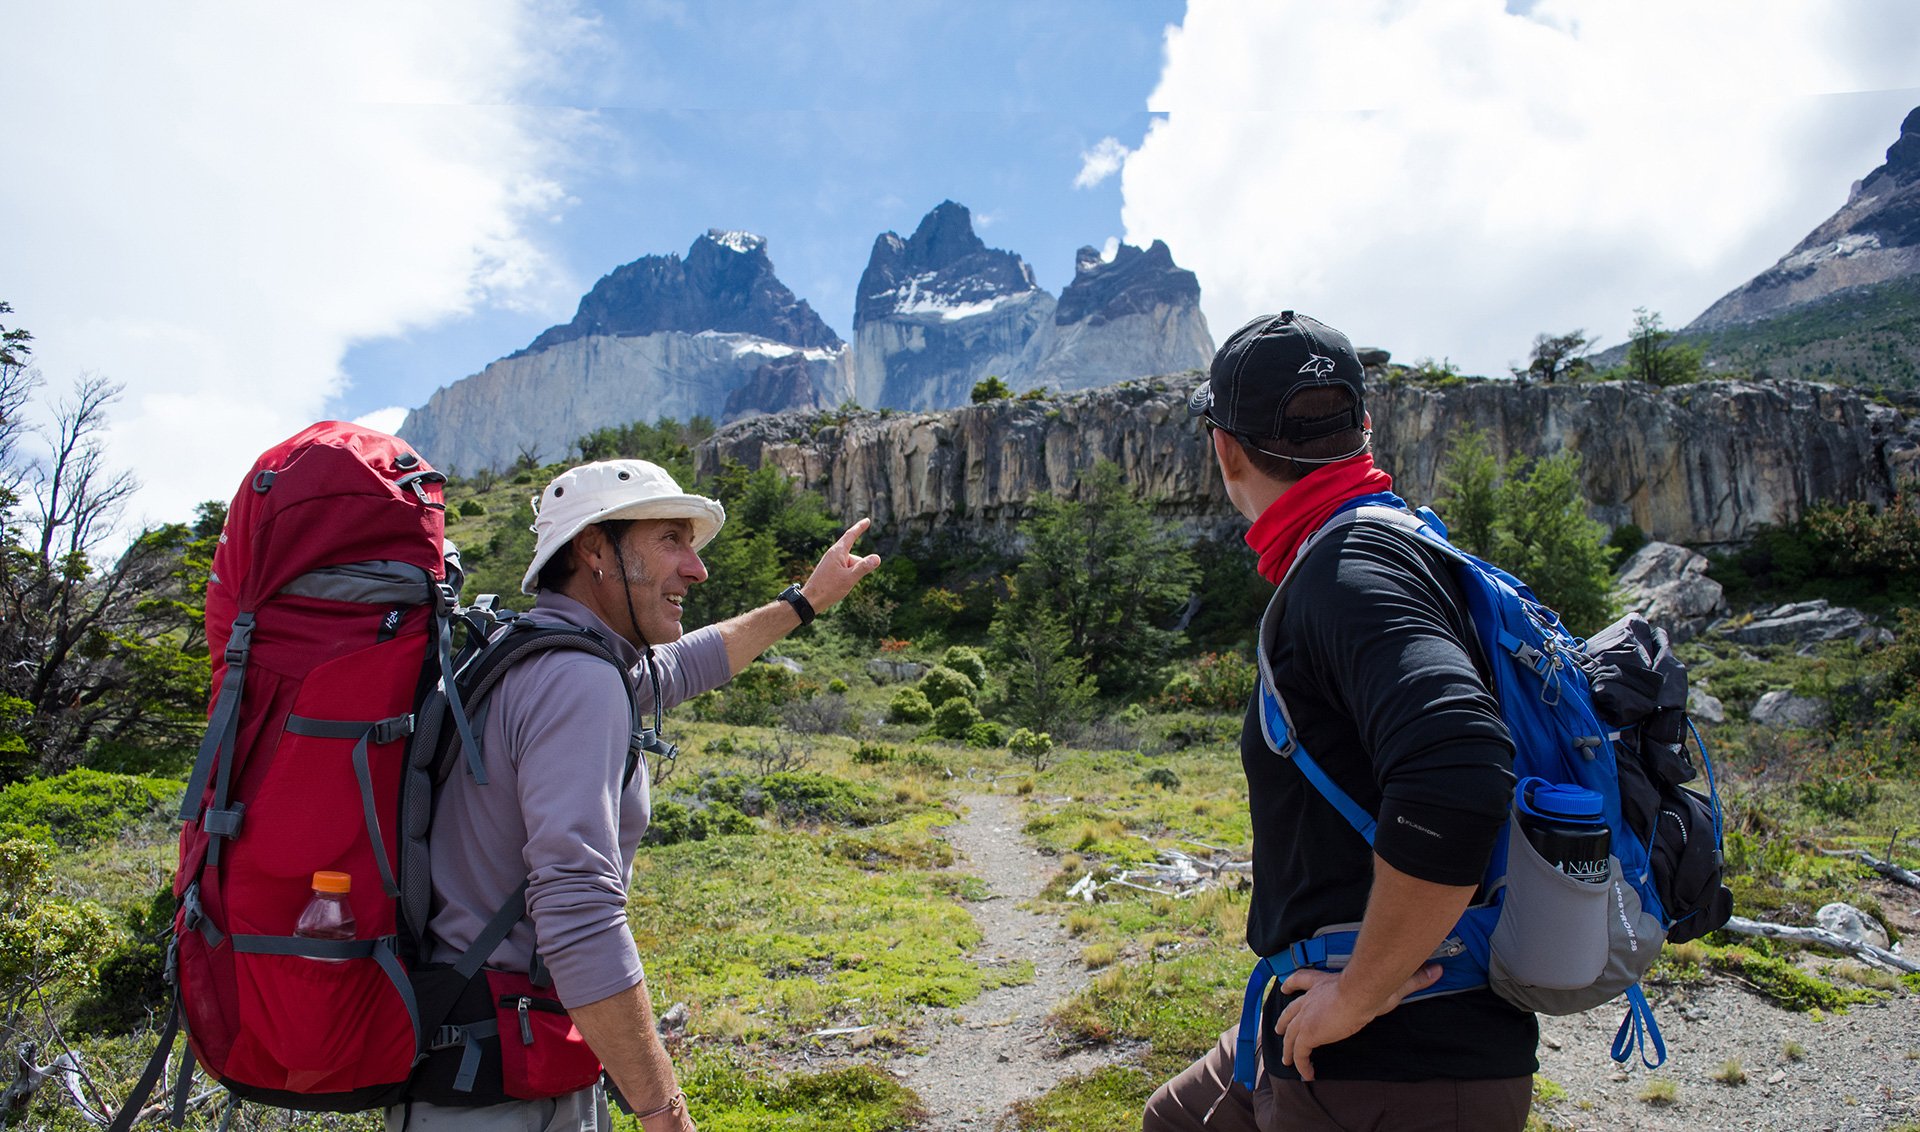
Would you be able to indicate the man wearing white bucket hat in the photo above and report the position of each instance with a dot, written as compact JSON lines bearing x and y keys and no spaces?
{"x":617,"y":548}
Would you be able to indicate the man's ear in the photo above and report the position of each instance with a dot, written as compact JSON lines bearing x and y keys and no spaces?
{"x":1232,"y":457}
{"x":591,"y":550}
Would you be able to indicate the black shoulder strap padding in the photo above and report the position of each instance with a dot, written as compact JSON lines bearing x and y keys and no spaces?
{"x":513,"y":647}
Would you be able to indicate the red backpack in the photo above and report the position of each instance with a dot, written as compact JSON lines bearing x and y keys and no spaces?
{"x":331,"y":618}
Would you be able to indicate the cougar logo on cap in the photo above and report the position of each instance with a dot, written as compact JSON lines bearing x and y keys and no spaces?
{"x":1318,"y":366}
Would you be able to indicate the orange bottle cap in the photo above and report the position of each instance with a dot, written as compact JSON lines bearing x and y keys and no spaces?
{"x":332,"y":882}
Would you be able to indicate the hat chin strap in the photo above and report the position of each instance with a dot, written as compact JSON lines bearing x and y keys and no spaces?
{"x":646,"y":646}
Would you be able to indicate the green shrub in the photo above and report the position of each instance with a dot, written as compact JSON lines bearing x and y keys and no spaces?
{"x":967,"y":661}
{"x":1214,"y":682}
{"x":82,"y":806}
{"x":674,"y":822}
{"x":909,"y":705}
{"x":872,"y":754}
{"x":941,"y":684}
{"x":1033,"y":746}
{"x":990,"y":389}
{"x":754,"y":697}
{"x":47,"y":945}
{"x":472,"y":507}
{"x":1162,"y":777}
{"x":955,"y":718}
{"x":986,"y":735}
{"x":837,"y":686}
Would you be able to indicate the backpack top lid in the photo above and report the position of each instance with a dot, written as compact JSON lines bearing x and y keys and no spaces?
{"x":334,"y":493}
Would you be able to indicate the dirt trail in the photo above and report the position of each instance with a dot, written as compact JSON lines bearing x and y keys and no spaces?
{"x":996,"y":1050}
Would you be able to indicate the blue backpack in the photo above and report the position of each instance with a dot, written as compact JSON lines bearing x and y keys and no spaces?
{"x":1604,"y":714}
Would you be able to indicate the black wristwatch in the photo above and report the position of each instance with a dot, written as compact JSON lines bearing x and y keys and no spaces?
{"x":792,"y":596}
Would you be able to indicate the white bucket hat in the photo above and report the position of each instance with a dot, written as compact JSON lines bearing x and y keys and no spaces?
{"x":608,"y":490}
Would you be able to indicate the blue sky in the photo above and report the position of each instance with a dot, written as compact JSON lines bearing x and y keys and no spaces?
{"x":819,"y":134}
{"x":258,"y":214}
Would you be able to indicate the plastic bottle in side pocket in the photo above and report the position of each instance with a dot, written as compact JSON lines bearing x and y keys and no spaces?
{"x":1553,"y":927}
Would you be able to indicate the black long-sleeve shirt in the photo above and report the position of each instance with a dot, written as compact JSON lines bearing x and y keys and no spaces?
{"x":1373,"y":653}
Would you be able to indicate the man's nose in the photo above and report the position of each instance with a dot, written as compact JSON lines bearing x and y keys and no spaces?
{"x":693,"y":569}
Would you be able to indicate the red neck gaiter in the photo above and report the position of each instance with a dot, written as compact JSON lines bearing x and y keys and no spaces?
{"x":1277,"y":534}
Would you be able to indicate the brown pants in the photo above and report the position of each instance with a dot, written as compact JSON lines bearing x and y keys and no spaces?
{"x":1205,"y":1098}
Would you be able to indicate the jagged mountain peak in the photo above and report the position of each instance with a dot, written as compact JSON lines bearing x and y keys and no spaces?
{"x":1134,"y":281}
{"x":1874,"y":239}
{"x":725,"y":283}
{"x":943,"y":271}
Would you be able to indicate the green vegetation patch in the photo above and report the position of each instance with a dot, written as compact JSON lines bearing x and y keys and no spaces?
{"x":1112,"y":1097}
{"x":725,"y":1098}
{"x":777,"y":935}
{"x":83,"y":806}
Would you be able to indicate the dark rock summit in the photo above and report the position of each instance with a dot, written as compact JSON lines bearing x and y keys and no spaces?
{"x":726,"y":283}
{"x":943,"y":267}
{"x":1134,"y":283}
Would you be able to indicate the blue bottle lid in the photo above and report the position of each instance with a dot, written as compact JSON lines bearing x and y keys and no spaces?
{"x":1561,"y":802}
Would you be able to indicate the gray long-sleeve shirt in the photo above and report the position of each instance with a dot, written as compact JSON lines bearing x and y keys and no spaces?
{"x":553,"y":811}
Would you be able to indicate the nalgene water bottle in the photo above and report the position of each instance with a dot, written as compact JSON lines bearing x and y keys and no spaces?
{"x":327,"y":915}
{"x":1567,"y":826}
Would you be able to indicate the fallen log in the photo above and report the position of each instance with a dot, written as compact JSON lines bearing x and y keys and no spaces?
{"x":1886,"y":869}
{"x":1820,"y":937}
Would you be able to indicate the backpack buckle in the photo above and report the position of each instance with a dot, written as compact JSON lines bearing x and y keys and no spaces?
{"x":223,"y":823}
{"x":447,"y":599}
{"x":398,"y":727}
{"x":241,"y":640}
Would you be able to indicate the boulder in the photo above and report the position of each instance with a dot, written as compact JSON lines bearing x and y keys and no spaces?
{"x":1805,"y":623}
{"x":1785,"y":709}
{"x":786,"y":662}
{"x":1668,"y":584}
{"x":1851,"y":923}
{"x":1704,"y":707}
{"x":886,"y":671}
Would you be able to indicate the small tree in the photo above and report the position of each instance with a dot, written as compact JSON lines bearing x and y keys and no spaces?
{"x":991,"y":389}
{"x":1047,"y":684}
{"x":1034,"y":746}
{"x":1653,"y":356}
{"x":1546,"y":538}
{"x":1558,"y":356}
{"x":1468,"y":483}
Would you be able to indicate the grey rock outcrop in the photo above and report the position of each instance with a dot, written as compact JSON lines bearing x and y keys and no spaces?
{"x":715,"y":335}
{"x":1874,"y":238}
{"x":1805,"y":623}
{"x":1668,"y":585}
{"x":939,"y":311}
{"x":1136,"y":315}
{"x":1700,"y":465}
{"x":1848,"y":922}
{"x":1785,"y":709}
{"x":1705,"y":708}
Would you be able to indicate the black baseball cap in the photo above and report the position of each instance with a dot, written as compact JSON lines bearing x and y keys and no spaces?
{"x":1265,"y":363}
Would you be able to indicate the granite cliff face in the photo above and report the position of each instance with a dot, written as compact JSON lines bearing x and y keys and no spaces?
{"x":1701,"y":465}
{"x":1873,"y":239}
{"x":939,"y":311}
{"x":715,"y":335}
{"x":1136,"y":315}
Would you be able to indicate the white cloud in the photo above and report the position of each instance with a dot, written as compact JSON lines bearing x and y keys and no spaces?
{"x":386,"y":420}
{"x":1100,"y":162}
{"x":1444,"y":178}
{"x":212,"y":203}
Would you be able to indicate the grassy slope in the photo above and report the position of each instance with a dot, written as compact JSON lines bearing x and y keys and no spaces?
{"x":1869,"y":336}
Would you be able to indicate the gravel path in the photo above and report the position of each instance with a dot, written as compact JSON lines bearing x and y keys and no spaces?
{"x":996,"y":1050}
{"x":1859,"y":1072}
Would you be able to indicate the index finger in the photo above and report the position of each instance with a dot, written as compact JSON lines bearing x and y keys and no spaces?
{"x":845,"y":542}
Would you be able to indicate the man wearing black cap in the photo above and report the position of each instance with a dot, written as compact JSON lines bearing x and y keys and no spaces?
{"x":1370,"y":648}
